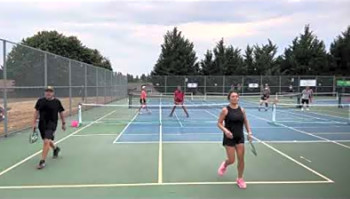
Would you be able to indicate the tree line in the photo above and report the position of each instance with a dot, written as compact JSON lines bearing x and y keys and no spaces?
{"x":306,"y":55}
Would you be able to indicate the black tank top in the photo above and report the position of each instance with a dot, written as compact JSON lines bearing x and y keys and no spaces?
{"x":234,"y":121}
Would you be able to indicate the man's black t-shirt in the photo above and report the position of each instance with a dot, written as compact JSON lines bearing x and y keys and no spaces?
{"x":48,"y":111}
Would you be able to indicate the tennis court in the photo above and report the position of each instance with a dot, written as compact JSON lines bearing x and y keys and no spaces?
{"x":118,"y":153}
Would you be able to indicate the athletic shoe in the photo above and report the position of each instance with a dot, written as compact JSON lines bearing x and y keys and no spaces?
{"x":241,"y":184}
{"x":222,"y":169}
{"x":302,"y":109}
{"x":41,"y":164}
{"x":307,"y":109}
{"x":56,"y":151}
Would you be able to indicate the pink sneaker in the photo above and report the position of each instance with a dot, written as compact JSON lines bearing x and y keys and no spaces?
{"x":241,"y":184}
{"x":222,"y":169}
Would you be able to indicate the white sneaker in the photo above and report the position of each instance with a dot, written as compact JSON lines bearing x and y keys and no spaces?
{"x":302,"y":109}
{"x":307,"y":109}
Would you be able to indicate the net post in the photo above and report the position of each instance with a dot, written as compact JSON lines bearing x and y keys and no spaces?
{"x":274,"y":107}
{"x":80,"y":119}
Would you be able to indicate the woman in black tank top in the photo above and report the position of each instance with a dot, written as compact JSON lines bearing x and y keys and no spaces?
{"x":231,"y":121}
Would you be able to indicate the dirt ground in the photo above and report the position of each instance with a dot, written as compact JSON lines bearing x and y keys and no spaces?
{"x":20,"y":114}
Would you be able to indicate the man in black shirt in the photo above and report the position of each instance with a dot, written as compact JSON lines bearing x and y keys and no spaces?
{"x":48,"y":108}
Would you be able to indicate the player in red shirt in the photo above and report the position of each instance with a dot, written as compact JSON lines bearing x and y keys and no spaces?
{"x":143,"y":99}
{"x":179,"y":97}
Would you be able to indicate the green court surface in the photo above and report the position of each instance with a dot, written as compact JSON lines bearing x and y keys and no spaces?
{"x":176,"y":160}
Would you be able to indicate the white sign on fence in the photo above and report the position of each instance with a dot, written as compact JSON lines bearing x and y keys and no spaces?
{"x":307,"y":82}
{"x":192,"y":85}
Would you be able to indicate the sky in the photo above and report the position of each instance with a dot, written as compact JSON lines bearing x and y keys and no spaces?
{"x":130,"y":33}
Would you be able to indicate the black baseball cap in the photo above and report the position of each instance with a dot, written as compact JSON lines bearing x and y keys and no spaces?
{"x":49,"y":88}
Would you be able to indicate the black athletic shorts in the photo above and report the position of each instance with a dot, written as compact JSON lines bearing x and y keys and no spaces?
{"x":264,"y":97}
{"x":304,"y":101}
{"x":47,"y":134}
{"x":47,"y":130}
{"x":234,"y":141}
{"x":142,"y":101}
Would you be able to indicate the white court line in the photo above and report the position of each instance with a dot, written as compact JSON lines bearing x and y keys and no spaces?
{"x":290,"y":158}
{"x":316,"y":136}
{"x":310,"y":116}
{"x":62,"y":139}
{"x":160,"y":151}
{"x":317,"y":113}
{"x":72,"y":186}
{"x":294,"y":160}
{"x":89,"y":135}
{"x":178,"y":120}
{"x":219,"y":142}
{"x":143,"y":142}
{"x":304,"y":132}
{"x":301,"y":157}
{"x":140,"y":134}
{"x":253,"y":127}
{"x":124,"y":129}
{"x":330,"y":133}
{"x":212,"y":114}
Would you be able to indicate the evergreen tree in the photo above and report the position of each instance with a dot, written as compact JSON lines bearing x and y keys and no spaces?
{"x":340,"y":54}
{"x":207,"y":64}
{"x":177,"y":56}
{"x":305,"y":56}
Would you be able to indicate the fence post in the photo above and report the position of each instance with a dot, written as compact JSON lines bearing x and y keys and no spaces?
{"x":45,"y":69}
{"x":96,"y":85}
{"x":5,"y":88}
{"x":205,"y":85}
{"x":185,"y":84}
{"x":242,"y":85}
{"x":223,"y":85}
{"x":85,"y":85}
{"x":104,"y":87}
{"x":165,"y":83}
{"x":280,"y":88}
{"x":111,"y":86}
{"x":316,"y":83}
{"x":298,"y":84}
{"x":70,"y":86}
{"x":334,"y":84}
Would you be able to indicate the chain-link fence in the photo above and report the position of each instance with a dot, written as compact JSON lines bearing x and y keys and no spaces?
{"x":25,"y":71}
{"x":220,"y":85}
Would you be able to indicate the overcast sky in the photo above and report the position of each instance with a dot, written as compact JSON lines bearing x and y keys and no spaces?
{"x":130,"y":33}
